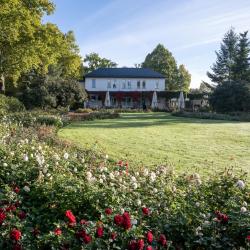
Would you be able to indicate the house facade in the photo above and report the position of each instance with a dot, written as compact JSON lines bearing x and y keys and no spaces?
{"x":125,"y":88}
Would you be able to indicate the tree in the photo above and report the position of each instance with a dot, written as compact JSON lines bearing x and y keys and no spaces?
{"x":50,"y":90}
{"x":20,"y":23}
{"x":231,"y":96}
{"x":223,"y":68}
{"x":184,"y":79}
{"x":28,"y":44}
{"x":94,"y":61}
{"x":162,"y":61}
{"x":242,"y":60}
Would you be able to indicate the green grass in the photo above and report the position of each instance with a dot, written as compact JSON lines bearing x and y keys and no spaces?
{"x":157,"y":138}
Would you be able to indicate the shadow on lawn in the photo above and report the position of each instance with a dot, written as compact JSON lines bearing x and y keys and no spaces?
{"x":143,"y":120}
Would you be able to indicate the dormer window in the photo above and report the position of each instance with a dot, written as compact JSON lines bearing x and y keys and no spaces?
{"x":93,"y":83}
{"x":144,"y":84}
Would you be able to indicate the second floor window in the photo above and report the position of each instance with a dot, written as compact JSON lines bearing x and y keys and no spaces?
{"x":93,"y":83}
{"x":124,"y":85}
{"x":109,"y":85}
{"x":144,"y":84}
{"x":157,"y":85}
{"x":129,"y":84}
{"x":138,"y":84}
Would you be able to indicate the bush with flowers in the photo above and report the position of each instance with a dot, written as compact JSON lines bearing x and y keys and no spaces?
{"x":54,"y":195}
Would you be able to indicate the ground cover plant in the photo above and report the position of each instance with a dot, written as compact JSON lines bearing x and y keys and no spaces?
{"x":155,"y":138}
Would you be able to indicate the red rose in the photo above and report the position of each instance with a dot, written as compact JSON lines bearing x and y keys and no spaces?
{"x":248,"y":238}
{"x":223,"y":218}
{"x":149,"y":237}
{"x":120,"y":163}
{"x":132,"y":245}
{"x":149,"y":248}
{"x":126,"y":221}
{"x":70,"y":216}
{"x":118,"y":219}
{"x":83,"y":222}
{"x":10,"y":208}
{"x":16,"y":189}
{"x":15,"y":234}
{"x":2,"y":217}
{"x":162,"y":240}
{"x":108,"y":211}
{"x":145,"y":210}
{"x":22,"y":215}
{"x":87,"y":238}
{"x":35,"y":232}
{"x":57,"y":231}
{"x":99,"y":232}
{"x":140,"y":244}
{"x":113,"y":235}
{"x":80,"y":234}
{"x":17,"y":247}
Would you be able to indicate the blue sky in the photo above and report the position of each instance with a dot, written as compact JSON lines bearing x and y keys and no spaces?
{"x":126,"y":30}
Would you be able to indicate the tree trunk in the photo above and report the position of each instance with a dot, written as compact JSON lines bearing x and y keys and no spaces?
{"x":2,"y":84}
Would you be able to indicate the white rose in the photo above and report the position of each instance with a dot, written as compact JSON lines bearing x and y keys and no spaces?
{"x":152,"y":176}
{"x":138,"y":202}
{"x":155,"y":190}
{"x":240,"y":184}
{"x":25,"y":157}
{"x":89,"y":175}
{"x":26,"y":189}
{"x":75,"y":169}
{"x":101,"y":181}
{"x":134,"y":222}
{"x":133,"y":179}
{"x":245,"y":204}
{"x":66,"y":156}
{"x":243,"y":209}
{"x":137,"y":174}
{"x":134,"y":185}
{"x":106,"y":156}
{"x":5,"y":164}
{"x":145,"y":172}
{"x":111,"y":176}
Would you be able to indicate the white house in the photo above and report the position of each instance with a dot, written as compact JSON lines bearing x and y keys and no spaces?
{"x":125,"y":88}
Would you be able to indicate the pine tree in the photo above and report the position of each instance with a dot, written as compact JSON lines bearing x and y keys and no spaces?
{"x":223,"y":68}
{"x":242,"y":62}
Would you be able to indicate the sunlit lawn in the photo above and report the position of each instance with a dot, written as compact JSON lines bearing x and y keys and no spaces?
{"x":157,"y":138}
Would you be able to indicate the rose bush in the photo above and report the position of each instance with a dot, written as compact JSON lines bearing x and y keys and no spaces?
{"x":54,"y":195}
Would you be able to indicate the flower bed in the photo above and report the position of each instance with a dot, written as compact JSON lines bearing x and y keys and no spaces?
{"x":56,"y":196}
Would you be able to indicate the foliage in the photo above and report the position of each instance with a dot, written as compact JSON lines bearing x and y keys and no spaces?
{"x":51,"y":91}
{"x":94,"y":61}
{"x":214,"y":116}
{"x":162,"y":61}
{"x":84,"y":110}
{"x":232,"y":62}
{"x":55,"y":196}
{"x":29,"y":44}
{"x":184,"y":78}
{"x":97,"y":115}
{"x":10,"y":104}
{"x":231,"y":96}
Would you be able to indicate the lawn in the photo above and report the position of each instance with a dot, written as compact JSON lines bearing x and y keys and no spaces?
{"x":158,"y":138}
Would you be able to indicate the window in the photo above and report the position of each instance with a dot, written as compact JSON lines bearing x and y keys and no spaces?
{"x":129,"y":84}
{"x":93,"y":83}
{"x":138,"y":84}
{"x":157,"y":85}
{"x":144,"y":84}
{"x":114,"y":86}
{"x":109,"y":84}
{"x":93,"y":98}
{"x":124,"y":85}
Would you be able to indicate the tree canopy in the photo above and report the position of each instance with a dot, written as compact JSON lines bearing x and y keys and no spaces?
{"x":232,"y":63}
{"x":26,"y":43}
{"x":94,"y":61}
{"x":162,"y":61}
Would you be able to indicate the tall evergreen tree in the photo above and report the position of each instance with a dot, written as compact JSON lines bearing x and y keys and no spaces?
{"x":162,"y":61}
{"x":223,"y":68}
{"x":242,"y":62}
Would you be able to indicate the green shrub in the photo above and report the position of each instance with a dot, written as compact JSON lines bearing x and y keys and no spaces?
{"x":214,"y":116}
{"x":10,"y":104}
